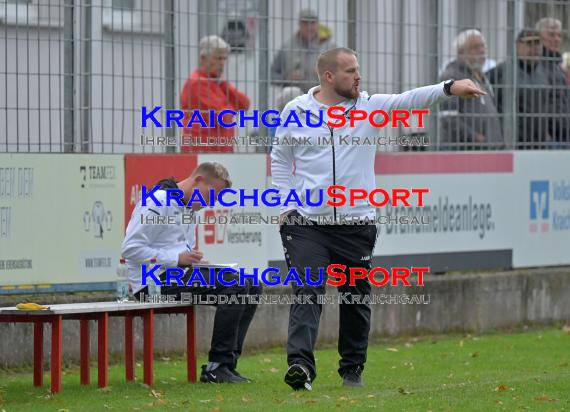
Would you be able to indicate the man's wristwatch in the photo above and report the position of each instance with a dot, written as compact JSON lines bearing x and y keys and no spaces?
{"x":447,"y":87}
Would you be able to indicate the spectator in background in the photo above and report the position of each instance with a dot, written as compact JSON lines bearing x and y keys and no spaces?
{"x":283,"y":97}
{"x":529,"y":94}
{"x":206,"y":90}
{"x":294,"y":64}
{"x":565,"y":65}
{"x":558,"y":95}
{"x":470,"y":124}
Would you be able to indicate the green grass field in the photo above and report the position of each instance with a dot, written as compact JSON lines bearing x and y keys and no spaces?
{"x":511,"y":372}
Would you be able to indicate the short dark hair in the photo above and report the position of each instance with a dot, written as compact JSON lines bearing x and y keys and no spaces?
{"x":327,"y":60}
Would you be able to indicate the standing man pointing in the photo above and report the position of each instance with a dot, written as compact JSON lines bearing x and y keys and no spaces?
{"x":317,"y":168}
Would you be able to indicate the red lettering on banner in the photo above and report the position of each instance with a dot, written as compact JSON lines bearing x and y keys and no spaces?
{"x":214,"y":231}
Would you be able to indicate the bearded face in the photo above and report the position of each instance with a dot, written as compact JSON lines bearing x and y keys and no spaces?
{"x":346,"y":81}
{"x":474,"y":53}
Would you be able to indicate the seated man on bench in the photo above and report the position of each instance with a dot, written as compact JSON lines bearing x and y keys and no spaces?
{"x":173,"y":247}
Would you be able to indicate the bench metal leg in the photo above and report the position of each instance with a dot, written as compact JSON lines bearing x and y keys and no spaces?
{"x":129,"y":349}
{"x":103,"y":350}
{"x":38,"y":353}
{"x":84,"y":351}
{"x":191,"y":344}
{"x":56,"y":329}
{"x":148,"y":346}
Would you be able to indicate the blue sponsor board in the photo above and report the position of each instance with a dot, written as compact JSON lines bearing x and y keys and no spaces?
{"x":549,"y":209}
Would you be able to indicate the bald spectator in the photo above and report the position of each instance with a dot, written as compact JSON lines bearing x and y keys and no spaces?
{"x":294,"y":64}
{"x":558,"y":95}
{"x":470,"y":124}
{"x":205,"y":90}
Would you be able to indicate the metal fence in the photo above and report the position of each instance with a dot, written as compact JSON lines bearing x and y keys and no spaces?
{"x":76,"y":73}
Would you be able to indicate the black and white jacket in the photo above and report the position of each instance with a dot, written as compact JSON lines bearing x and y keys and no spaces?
{"x":318,"y":167}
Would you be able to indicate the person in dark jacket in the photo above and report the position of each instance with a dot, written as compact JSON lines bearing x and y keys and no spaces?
{"x":531,"y":131}
{"x":558,"y":96}
{"x":470,"y":124}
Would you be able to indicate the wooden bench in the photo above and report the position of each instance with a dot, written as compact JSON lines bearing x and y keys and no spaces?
{"x":100,"y":312}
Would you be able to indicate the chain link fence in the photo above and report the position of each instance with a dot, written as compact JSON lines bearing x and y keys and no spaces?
{"x":76,"y":74}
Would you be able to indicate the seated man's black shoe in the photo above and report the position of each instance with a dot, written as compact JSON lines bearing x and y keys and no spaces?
{"x":352,"y":377}
{"x":219,"y":375}
{"x":236,"y":373}
{"x":298,"y":378}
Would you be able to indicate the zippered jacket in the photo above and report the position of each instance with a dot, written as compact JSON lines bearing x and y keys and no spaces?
{"x":308,"y":169}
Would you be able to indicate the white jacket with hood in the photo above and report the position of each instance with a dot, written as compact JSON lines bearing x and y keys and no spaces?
{"x":352,"y":166}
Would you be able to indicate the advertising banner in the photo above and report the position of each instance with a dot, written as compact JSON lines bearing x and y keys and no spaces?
{"x":466,"y":219}
{"x":235,"y":241}
{"x":61,"y":218}
{"x":541,"y":207}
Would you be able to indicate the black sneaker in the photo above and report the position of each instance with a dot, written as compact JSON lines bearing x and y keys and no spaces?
{"x":219,"y":375}
{"x":352,"y":377}
{"x":298,"y":377}
{"x":236,"y":373}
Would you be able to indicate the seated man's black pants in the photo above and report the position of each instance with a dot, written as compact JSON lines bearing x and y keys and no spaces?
{"x":231,"y":320}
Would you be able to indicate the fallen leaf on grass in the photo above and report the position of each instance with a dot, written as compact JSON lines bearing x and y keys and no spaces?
{"x":502,"y":388}
{"x":220,"y":397}
{"x":204,"y":400}
{"x":216,"y":409}
{"x":266,"y":360}
{"x":311,"y":401}
{"x":499,"y":402}
{"x":59,"y":410}
{"x":544,"y":398}
{"x":353,"y":402}
{"x":165,"y":358}
{"x":160,"y":402}
{"x":370,"y":396}
{"x":155,"y":393}
{"x":246,"y":398}
{"x":392,"y":350}
{"x":404,"y":391}
{"x":273,"y":370}
{"x":475,"y":355}
{"x":343,"y":398}
{"x":563,"y":365}
{"x":461,"y":343}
